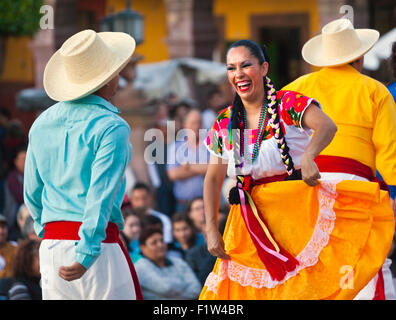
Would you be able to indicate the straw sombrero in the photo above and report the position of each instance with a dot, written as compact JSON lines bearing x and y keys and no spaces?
{"x":338,"y":44}
{"x":85,"y":62}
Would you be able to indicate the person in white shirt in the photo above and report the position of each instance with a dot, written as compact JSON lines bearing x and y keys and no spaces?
{"x":141,"y":198}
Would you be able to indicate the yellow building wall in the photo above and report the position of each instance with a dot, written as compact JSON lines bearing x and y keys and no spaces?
{"x":18,"y":62}
{"x":154,"y":47}
{"x":237,"y":14}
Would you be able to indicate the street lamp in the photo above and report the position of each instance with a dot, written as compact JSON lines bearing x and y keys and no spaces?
{"x":127,"y":21}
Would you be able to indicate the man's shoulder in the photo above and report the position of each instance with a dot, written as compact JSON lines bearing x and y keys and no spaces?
{"x":300,"y":82}
{"x":43,"y":117}
{"x":374,"y":84}
{"x":143,"y":264}
{"x":176,"y":261}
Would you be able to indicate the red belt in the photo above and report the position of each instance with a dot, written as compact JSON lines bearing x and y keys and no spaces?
{"x":68,"y":230}
{"x":333,"y":164}
{"x":346,"y":165}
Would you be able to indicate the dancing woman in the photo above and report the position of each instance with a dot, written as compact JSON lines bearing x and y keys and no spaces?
{"x":285,"y":238}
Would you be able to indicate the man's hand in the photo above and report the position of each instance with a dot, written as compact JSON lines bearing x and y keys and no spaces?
{"x":73,"y":272}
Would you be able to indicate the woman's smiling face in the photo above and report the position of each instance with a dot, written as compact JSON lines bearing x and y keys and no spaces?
{"x":245,"y":73}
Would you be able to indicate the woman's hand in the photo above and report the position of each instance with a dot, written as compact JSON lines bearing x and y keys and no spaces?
{"x":216,"y":245}
{"x":214,"y":179}
{"x":325,"y":129}
{"x":309,"y":170}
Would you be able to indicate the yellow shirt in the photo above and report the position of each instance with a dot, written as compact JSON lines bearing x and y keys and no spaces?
{"x":7,"y":256}
{"x":363,"y":110}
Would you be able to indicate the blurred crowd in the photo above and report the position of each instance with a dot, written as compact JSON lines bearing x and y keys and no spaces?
{"x":164,"y":230}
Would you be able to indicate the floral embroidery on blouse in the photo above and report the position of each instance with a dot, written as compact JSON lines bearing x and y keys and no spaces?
{"x":291,"y":105}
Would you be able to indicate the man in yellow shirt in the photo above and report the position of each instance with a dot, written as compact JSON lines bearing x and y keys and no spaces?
{"x":364,"y":112}
{"x":7,"y":250}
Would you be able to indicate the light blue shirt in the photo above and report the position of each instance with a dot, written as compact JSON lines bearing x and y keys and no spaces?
{"x":74,"y":170}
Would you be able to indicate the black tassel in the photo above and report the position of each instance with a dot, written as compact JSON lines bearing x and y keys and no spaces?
{"x":296,"y":175}
{"x":233,"y":197}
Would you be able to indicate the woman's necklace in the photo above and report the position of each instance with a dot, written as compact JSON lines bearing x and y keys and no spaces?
{"x":263,"y":120}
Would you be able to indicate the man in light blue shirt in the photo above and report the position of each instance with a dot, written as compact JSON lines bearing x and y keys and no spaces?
{"x":75,"y":171}
{"x":77,"y":155}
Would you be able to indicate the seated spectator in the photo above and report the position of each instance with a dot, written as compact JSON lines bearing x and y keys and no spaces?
{"x":215,"y":103}
{"x":22,"y":214}
{"x":5,"y":117}
{"x":130,"y":233}
{"x":163,"y":277}
{"x":199,"y":258}
{"x":14,"y":193}
{"x":196,"y":212}
{"x":153,"y":221}
{"x":178,"y":112}
{"x":184,"y":233}
{"x":187,"y":162}
{"x":141,"y":199}
{"x":14,"y":139}
{"x":28,"y":231}
{"x":7,"y":250}
{"x":26,"y":273}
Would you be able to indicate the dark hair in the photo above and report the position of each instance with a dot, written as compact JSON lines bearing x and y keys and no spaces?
{"x":147,"y":232}
{"x":212,"y":92}
{"x":141,"y":186}
{"x":150,"y":220}
{"x":392,"y":60}
{"x":21,"y":148}
{"x":23,"y":262}
{"x":191,"y":202}
{"x":128,"y":211}
{"x":262,"y":56}
{"x":183,"y":216}
{"x":5,"y":113}
{"x":260,"y":53}
{"x":174,"y":108}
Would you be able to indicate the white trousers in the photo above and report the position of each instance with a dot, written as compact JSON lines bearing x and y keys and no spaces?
{"x":368,"y":292}
{"x":109,"y":277}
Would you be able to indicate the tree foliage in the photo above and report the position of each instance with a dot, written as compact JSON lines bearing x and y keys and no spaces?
{"x":19,"y":17}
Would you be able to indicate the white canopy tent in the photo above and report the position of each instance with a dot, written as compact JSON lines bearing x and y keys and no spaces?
{"x":156,"y":80}
{"x":159,"y":79}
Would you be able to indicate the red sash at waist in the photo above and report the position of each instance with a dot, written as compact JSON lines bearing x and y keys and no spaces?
{"x":68,"y":230}
{"x":346,"y":165}
{"x":265,"y":180}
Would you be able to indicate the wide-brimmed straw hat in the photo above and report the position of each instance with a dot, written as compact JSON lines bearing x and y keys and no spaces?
{"x":339,"y":43}
{"x":85,"y":62}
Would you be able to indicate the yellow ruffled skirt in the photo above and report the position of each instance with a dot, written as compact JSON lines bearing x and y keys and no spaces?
{"x":339,"y":232}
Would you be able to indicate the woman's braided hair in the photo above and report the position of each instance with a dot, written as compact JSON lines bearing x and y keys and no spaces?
{"x":273,"y":110}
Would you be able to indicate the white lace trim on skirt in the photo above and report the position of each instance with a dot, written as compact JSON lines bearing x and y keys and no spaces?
{"x":260,"y":278}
